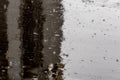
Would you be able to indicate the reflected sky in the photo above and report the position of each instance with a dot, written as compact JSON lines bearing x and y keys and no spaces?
{"x":92,"y":41}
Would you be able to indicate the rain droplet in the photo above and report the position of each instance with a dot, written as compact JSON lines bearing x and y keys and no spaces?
{"x":94,"y":33}
{"x":117,"y":60}
{"x":103,"y":20}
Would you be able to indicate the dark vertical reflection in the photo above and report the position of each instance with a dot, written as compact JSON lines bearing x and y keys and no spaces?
{"x":31,"y":23}
{"x":3,"y":40}
{"x":53,"y":11}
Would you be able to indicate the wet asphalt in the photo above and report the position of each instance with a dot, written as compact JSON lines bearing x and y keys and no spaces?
{"x":30,"y":40}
